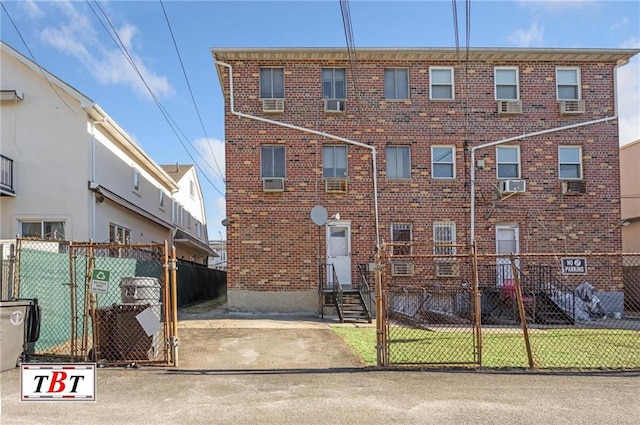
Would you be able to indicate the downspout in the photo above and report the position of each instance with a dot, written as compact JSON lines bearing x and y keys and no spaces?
{"x":318,"y":133}
{"x":93,"y":175}
{"x":511,"y":139}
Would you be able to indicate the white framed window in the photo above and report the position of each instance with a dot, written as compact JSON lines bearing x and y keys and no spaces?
{"x":398,"y":162}
{"x":42,"y":229}
{"x":570,"y":162}
{"x":272,"y":83}
{"x":178,"y":214}
{"x":568,"y":83}
{"x":508,"y":159}
{"x":444,"y":235}
{"x":272,"y":161}
{"x":136,"y":180}
{"x":161,"y":200}
{"x":198,"y":230}
{"x":443,"y":164}
{"x":192,"y":189}
{"x":334,"y":161}
{"x":401,"y":233}
{"x":507,"y":85}
{"x":334,"y":83}
{"x":396,"y":83}
{"x":119,"y":234}
{"x":441,"y":83}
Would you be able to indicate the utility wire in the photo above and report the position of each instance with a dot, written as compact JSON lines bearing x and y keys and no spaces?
{"x":33,"y":58}
{"x":184,"y":72}
{"x":114,"y":35}
{"x":455,"y":27}
{"x":348,"y":34}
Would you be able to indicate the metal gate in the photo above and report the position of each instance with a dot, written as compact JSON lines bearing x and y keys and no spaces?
{"x":108,"y":303}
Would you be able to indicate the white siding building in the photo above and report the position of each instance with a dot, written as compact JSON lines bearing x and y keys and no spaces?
{"x":70,"y":172}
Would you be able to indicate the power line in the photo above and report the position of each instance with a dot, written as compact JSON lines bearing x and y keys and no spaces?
{"x":33,"y":58}
{"x":348,"y":34}
{"x":184,"y":72}
{"x":123,"y":49}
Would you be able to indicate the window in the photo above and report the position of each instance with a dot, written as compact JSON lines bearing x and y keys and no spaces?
{"x":441,"y":83}
{"x":161,"y":198}
{"x":568,"y":83}
{"x":118,"y":234}
{"x":398,"y":162}
{"x":334,"y":84}
{"x":334,"y":161}
{"x":272,"y":83}
{"x":42,"y":229}
{"x":570,"y":162}
{"x":396,"y":83}
{"x":178,"y":214}
{"x":272,"y":161}
{"x":400,"y":233}
{"x":506,"y":80}
{"x":198,"y":229}
{"x":443,"y":162}
{"x":192,"y":189}
{"x":136,"y":180}
{"x":508,"y":162}
{"x":444,"y":235}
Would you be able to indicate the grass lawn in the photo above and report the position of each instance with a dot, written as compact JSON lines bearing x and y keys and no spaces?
{"x":505,"y":347}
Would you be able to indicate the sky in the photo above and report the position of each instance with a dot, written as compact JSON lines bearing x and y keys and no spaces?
{"x":170,"y":44}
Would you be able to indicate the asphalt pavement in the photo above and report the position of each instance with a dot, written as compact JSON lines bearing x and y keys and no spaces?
{"x":265,"y":369}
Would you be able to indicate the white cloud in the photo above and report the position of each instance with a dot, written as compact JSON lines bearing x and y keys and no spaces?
{"x":212,"y":151}
{"x":557,"y":6}
{"x":75,"y":35}
{"x":31,"y":9}
{"x":619,"y":25}
{"x":527,"y":38}
{"x":216,"y":212}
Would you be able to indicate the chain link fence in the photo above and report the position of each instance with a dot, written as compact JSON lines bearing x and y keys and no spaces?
{"x":99,"y":302}
{"x":577,"y":311}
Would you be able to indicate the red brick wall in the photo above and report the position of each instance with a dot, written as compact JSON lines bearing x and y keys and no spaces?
{"x":272,"y":243}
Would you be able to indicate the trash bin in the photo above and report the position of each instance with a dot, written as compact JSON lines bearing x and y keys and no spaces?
{"x":140,"y":290}
{"x":139,"y":293}
{"x":129,"y":340}
{"x":104,"y":327}
{"x":14,"y":316}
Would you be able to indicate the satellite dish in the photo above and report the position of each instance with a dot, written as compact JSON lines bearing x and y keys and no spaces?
{"x":319,"y":215}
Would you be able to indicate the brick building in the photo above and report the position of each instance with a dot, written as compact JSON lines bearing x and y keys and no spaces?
{"x":395,"y":144}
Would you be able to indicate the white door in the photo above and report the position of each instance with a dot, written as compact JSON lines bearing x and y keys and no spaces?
{"x":507,"y":242}
{"x":339,"y":252}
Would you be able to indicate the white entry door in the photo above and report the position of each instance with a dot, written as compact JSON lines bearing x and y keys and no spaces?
{"x":339,"y":252}
{"x":507,"y":242}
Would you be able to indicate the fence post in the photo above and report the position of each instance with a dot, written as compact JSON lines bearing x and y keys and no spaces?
{"x":523,"y":318}
{"x":174,"y":307}
{"x":380,"y":346}
{"x":477,"y":306}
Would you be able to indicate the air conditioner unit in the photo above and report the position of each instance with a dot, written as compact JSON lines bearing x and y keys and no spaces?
{"x":513,"y":186}
{"x":447,"y":267}
{"x":509,"y":107}
{"x":273,"y":105}
{"x":574,"y":187}
{"x":334,"y":105}
{"x":402,"y":268}
{"x":572,"y":106}
{"x":336,"y":185}
{"x":273,"y":185}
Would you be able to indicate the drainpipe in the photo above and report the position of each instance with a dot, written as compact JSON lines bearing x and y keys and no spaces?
{"x":511,"y":139}
{"x":93,"y":174}
{"x":318,"y":133}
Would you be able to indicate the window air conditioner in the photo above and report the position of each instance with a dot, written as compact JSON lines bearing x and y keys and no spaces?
{"x":273,"y":185}
{"x":334,"y":105}
{"x":513,"y":186}
{"x":509,"y":107}
{"x":572,"y":106}
{"x":573,"y":187}
{"x":336,"y":185}
{"x":447,"y":267}
{"x":273,"y":105}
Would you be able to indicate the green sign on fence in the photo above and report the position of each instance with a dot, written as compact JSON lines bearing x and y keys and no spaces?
{"x":100,"y":281}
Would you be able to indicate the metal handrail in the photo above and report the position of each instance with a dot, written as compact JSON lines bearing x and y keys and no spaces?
{"x":365,"y":289}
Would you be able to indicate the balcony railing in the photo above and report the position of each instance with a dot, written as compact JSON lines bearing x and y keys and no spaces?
{"x":6,"y":176}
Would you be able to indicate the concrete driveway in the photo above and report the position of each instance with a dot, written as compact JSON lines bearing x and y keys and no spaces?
{"x":292,"y":370}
